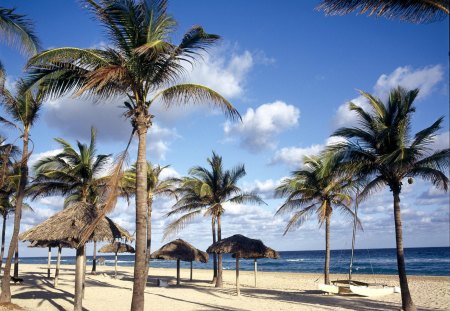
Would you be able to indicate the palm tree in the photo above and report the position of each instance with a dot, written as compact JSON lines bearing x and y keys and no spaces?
{"x":16,"y":30}
{"x":207,"y":191}
{"x":77,"y":176}
{"x":140,"y":64}
{"x":24,"y":109}
{"x":382,"y":149}
{"x":315,"y":189}
{"x":156,"y":187}
{"x":415,"y":11}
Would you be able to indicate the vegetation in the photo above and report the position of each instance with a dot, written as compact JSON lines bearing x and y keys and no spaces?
{"x":156,"y":187}
{"x":23,"y":108}
{"x":316,"y":189}
{"x":415,"y":11}
{"x":16,"y":30}
{"x":208,"y":191}
{"x":76,"y":175}
{"x":139,"y":64}
{"x":382,"y":149}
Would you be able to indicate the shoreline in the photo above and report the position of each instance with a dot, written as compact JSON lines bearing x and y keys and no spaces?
{"x":274,"y":291}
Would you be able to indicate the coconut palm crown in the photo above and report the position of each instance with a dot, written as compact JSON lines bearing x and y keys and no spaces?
{"x":382,"y":149}
{"x":74,"y":174}
{"x":316,"y":189}
{"x":207,"y":191}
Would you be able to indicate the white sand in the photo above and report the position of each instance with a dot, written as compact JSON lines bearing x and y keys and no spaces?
{"x":275,"y":291}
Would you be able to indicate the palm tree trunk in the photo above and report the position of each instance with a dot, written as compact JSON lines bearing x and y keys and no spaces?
{"x":16,"y":260}
{"x":149,"y":236}
{"x":213,"y":224}
{"x":140,"y":261}
{"x":327,"y":251}
{"x":94,"y":259}
{"x":79,"y":269}
{"x":2,"y":253}
{"x":407,"y":303}
{"x":219,"y":282}
{"x":5,"y":295}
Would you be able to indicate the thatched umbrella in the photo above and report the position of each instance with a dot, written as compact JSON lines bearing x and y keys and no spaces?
{"x":68,"y":226}
{"x":242,"y":247}
{"x":180,"y":250}
{"x":50,"y":245}
{"x":115,"y":248}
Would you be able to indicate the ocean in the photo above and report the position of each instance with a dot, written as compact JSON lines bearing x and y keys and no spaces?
{"x":419,"y":261}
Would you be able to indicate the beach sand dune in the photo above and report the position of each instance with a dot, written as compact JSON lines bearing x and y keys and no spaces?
{"x":276,"y":291}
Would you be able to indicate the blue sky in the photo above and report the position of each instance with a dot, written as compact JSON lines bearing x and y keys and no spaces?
{"x":290,"y":71}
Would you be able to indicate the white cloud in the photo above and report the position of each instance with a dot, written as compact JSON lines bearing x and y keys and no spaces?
{"x":293,"y":156}
{"x":423,"y":78}
{"x":226,"y":75}
{"x":38,"y":156}
{"x":259,"y":126}
{"x":441,"y":141}
{"x":159,"y":140}
{"x":264,"y":188}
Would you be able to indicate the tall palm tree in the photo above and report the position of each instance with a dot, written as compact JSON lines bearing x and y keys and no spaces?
{"x":316,"y":189}
{"x":156,"y":187}
{"x":16,"y":30}
{"x":75,"y":174}
{"x":415,"y":11}
{"x":383,"y":150}
{"x":141,"y":64}
{"x":23,"y":108}
{"x":207,"y":191}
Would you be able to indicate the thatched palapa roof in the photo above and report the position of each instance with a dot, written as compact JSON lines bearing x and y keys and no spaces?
{"x":182,"y":250}
{"x":68,"y":225}
{"x":245,"y":247}
{"x":117,"y":247}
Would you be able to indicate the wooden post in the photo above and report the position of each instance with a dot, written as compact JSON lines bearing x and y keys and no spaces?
{"x":191,"y":270}
{"x":255,"y":268}
{"x":237,"y":275}
{"x":58,"y":262}
{"x":94,"y":259}
{"x":48,"y":261}
{"x":115,"y":267}
{"x":178,"y":271}
{"x":84,"y":268}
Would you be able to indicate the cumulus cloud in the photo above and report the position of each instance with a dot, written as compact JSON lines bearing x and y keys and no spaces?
{"x":260,"y":126}
{"x":159,"y":140}
{"x":264,"y":188}
{"x":293,"y":156}
{"x":423,"y":78}
{"x":38,"y":156}
{"x":441,"y":141}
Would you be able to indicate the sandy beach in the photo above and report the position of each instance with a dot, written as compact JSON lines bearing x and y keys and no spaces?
{"x":275,"y":291}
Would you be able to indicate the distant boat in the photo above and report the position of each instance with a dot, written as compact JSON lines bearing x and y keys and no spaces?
{"x":350,"y":286}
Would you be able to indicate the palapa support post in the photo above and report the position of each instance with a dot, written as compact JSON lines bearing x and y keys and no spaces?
{"x":94,"y":259}
{"x":49,"y":261}
{"x":238,"y":292}
{"x":84,"y":269}
{"x":58,"y":262}
{"x":255,"y":268}
{"x":178,"y":271}
{"x":191,"y":270}
{"x":115,"y":266}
